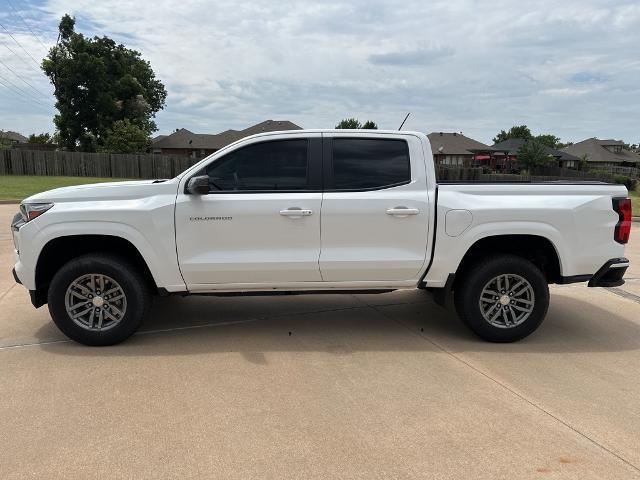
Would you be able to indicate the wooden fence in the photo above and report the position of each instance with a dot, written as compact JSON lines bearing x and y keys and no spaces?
{"x":81,"y":164}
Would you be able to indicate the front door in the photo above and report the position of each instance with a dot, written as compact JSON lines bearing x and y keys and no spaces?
{"x":260,"y":222}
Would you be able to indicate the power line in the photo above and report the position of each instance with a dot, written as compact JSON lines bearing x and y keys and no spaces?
{"x":27,"y":25}
{"x":21,"y":58}
{"x":22,"y":79}
{"x":26,"y":99}
{"x":20,"y":45}
{"x":21,"y":93}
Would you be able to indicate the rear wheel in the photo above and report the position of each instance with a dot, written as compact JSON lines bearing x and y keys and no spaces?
{"x":98,"y":299}
{"x":502,"y":299}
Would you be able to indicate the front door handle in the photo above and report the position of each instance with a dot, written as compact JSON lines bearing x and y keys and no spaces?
{"x":402,"y":211}
{"x":296,"y":212}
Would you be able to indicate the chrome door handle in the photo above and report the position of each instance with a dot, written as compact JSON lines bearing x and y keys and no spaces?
{"x":296,"y":212}
{"x":402,"y":211}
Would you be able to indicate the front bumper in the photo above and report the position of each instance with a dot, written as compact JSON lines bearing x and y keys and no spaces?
{"x":15,"y":276}
{"x":610,"y":274}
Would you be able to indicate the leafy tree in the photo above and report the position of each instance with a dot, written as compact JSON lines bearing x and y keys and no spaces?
{"x":517,"y":131}
{"x":96,"y":83}
{"x":532,"y":154}
{"x":125,"y":136}
{"x":584,"y":163}
{"x":549,"y":140}
{"x":45,"y":138}
{"x":354,"y":123}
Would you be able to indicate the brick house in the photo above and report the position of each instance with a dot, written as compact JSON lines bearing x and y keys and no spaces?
{"x":506,"y":154}
{"x":9,"y":139}
{"x":457,"y":150}
{"x":199,"y":145}
{"x":604,"y":153}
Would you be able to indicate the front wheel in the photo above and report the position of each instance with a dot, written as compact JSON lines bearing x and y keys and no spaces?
{"x":502,"y":299}
{"x":98,"y":299}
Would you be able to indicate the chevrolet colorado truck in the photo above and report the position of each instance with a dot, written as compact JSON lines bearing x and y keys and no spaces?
{"x":317,"y":211}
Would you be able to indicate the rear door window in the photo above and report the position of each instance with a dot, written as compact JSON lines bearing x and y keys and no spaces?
{"x":369,"y":164}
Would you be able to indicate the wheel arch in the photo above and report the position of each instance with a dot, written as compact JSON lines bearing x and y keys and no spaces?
{"x":60,"y":250}
{"x":536,"y":248}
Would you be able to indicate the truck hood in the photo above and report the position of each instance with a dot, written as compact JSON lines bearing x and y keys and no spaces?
{"x":106,"y":191}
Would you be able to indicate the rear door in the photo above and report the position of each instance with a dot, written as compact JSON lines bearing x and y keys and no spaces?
{"x":375,"y":215}
{"x":260,"y":221}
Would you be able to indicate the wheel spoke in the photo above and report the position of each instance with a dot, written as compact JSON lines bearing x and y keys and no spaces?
{"x":108,"y":314}
{"x":506,"y":300}
{"x":116,"y":310}
{"x":522,"y":309}
{"x":79,"y":314}
{"x":89,"y":309}
{"x":497,"y":314}
{"x":523,"y":300}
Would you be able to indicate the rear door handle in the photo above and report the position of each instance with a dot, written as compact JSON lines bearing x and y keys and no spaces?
{"x":402,"y":211}
{"x":296,"y":212}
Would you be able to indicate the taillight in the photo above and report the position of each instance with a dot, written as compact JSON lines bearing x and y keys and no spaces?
{"x":622,"y":206}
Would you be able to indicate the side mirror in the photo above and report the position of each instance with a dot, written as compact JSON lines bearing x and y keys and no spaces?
{"x":198,"y":185}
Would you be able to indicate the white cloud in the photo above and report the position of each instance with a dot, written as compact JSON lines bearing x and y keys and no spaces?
{"x":568,"y":67}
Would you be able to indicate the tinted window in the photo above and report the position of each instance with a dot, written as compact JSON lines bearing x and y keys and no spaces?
{"x":368,"y":163}
{"x":280,"y":165}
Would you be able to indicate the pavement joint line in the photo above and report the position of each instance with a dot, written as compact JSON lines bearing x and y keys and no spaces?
{"x":4,"y":294}
{"x":624,"y":294}
{"x":512,"y":391}
{"x":211,"y":324}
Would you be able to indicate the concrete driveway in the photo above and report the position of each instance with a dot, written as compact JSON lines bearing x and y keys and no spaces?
{"x":355,"y":386}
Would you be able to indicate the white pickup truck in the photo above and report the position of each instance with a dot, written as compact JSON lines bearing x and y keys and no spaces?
{"x":318,"y":211}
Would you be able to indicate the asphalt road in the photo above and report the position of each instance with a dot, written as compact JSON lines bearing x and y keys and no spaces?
{"x":354,"y":386}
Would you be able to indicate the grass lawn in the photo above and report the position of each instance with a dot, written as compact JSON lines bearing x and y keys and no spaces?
{"x":635,"y":202}
{"x":17,"y":187}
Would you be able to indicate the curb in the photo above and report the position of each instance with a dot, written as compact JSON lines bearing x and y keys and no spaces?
{"x":9,"y":202}
{"x":635,"y":219}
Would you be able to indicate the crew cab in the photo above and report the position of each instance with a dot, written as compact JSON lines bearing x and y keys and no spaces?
{"x":316,"y":211}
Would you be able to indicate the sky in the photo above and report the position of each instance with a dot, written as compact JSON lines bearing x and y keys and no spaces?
{"x":570,"y":68}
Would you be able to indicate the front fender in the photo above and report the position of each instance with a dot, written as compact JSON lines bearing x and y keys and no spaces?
{"x":160,"y":260}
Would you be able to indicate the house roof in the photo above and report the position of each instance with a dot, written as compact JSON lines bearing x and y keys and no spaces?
{"x":183,"y":138}
{"x":455,"y":144}
{"x":596,"y":151}
{"x":14,"y":136}
{"x":512,"y":145}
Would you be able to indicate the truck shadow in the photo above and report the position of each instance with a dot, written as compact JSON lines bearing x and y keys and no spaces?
{"x":346,"y":324}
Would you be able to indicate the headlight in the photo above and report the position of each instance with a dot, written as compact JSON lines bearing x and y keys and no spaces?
{"x":30,"y":211}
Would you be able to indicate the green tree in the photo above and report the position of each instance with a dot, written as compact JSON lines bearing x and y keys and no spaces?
{"x":549,"y":140}
{"x":517,"y":131}
{"x":352,"y":123}
{"x":45,"y":138}
{"x":584,"y":163}
{"x":96,"y":83}
{"x":125,"y":136}
{"x":532,"y":154}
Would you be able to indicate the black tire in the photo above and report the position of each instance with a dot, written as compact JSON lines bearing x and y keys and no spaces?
{"x":134,"y":285}
{"x":469,"y":290}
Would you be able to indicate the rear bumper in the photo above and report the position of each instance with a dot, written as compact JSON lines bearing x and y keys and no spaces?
{"x":610,"y":274}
